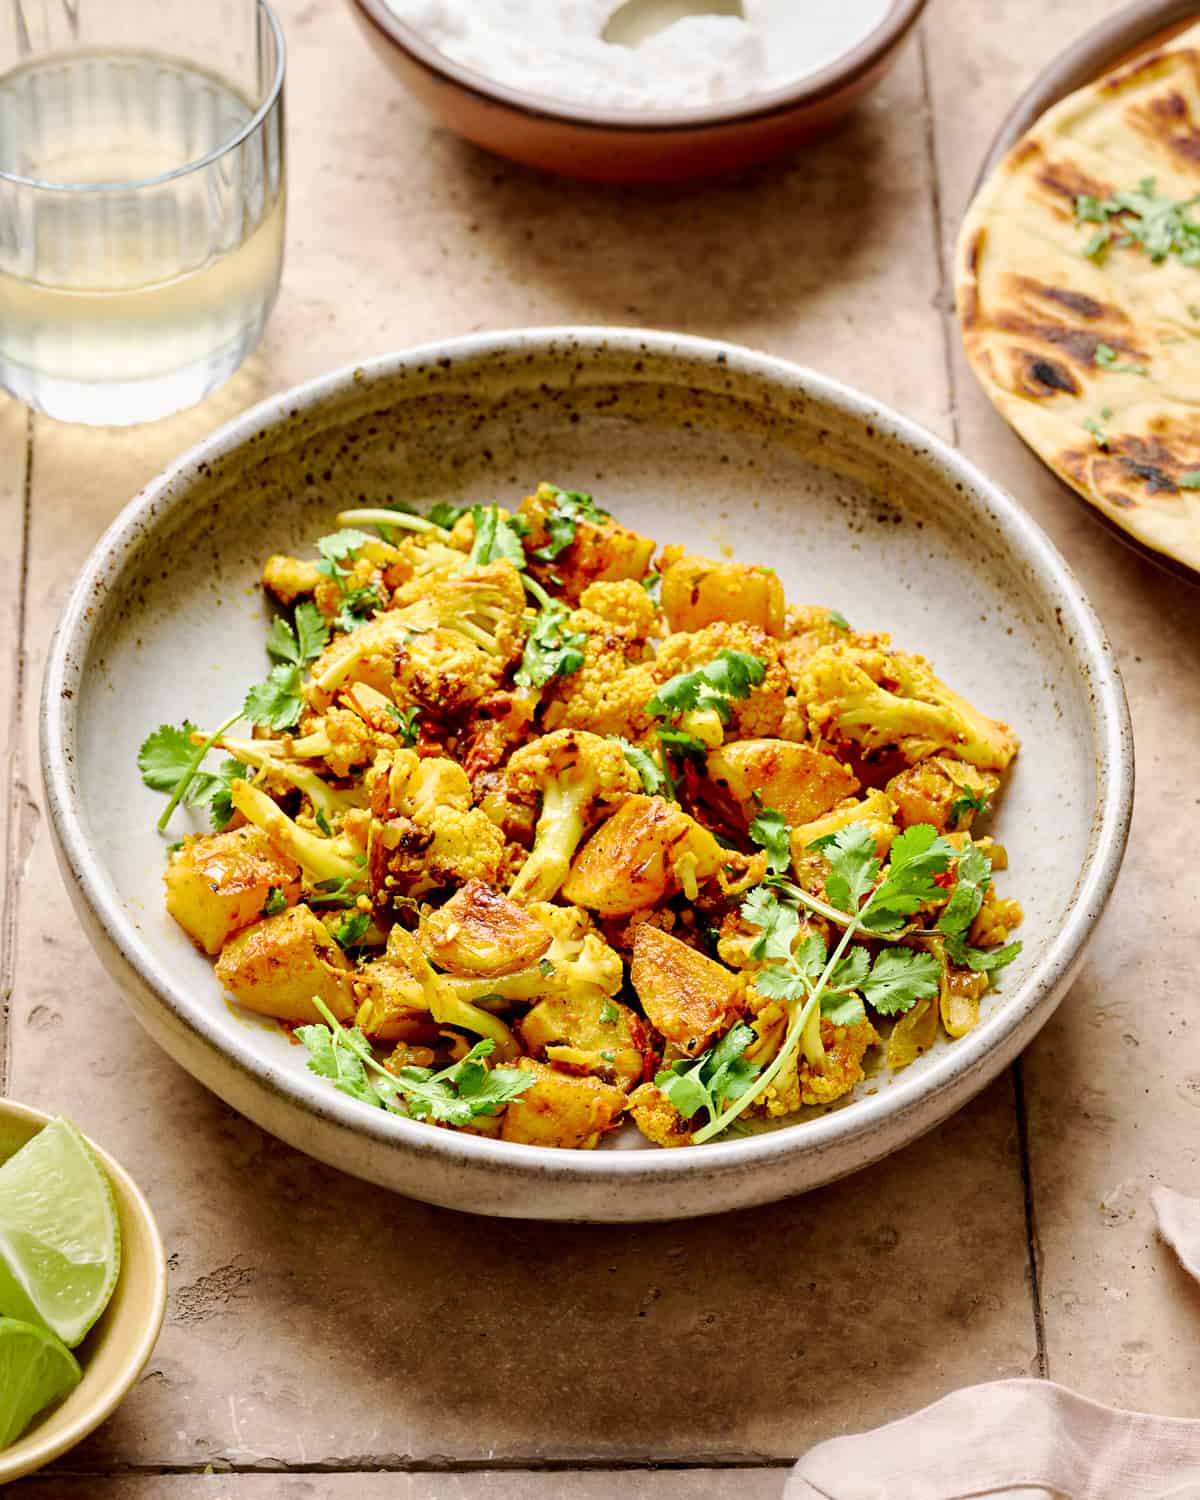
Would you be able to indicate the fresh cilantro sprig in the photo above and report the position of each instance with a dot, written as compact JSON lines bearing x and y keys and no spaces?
{"x":713,"y":1080}
{"x":350,"y":931}
{"x":562,"y":522}
{"x":170,"y":760}
{"x":972,"y":878}
{"x":551,"y":650}
{"x":276,"y":703}
{"x":276,"y":901}
{"x":408,"y":724}
{"x":455,"y":1096}
{"x":872,"y":901}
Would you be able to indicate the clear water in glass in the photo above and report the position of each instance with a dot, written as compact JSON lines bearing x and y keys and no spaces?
{"x":142,"y":203}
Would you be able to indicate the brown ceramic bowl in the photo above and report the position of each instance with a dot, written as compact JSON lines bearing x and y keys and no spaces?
{"x":116,"y":1350}
{"x":622,"y":145}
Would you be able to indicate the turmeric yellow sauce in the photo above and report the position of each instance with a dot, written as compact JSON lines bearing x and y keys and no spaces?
{"x":537,"y":826}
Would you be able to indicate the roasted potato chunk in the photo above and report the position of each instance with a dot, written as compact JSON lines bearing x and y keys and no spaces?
{"x":940,"y":791}
{"x":604,"y":552}
{"x":696,"y":591}
{"x":687,"y":996}
{"x":583,"y":1029}
{"x":479,"y":931}
{"x":219,"y":883}
{"x":798,"y":781}
{"x":562,"y":1110}
{"x":648,"y":850}
{"x":279,"y":964}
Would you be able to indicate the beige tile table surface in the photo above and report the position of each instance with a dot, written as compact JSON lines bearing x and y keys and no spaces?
{"x":320,"y":1331}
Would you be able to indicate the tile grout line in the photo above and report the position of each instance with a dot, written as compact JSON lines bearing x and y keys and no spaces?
{"x":366,"y":1464}
{"x":944,"y":311}
{"x":11,"y":893}
{"x":1033,"y":1244}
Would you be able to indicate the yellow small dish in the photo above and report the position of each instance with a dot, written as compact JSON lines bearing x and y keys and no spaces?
{"x":116,"y":1350}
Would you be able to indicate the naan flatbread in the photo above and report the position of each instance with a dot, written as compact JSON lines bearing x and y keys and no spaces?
{"x":1035,"y":309}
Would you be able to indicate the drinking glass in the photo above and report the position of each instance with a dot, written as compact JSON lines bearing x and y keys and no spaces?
{"x":142,"y":200}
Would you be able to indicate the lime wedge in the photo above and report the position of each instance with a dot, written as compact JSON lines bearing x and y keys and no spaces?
{"x":60,"y":1239}
{"x":36,"y":1370}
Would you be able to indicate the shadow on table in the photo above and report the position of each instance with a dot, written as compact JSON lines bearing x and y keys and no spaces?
{"x":711,"y":256}
{"x":313,"y":1316}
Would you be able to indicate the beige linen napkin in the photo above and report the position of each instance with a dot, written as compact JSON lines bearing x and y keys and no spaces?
{"x":1021,"y":1439}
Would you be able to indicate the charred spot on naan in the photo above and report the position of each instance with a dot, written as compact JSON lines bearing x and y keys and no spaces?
{"x":1166,"y":120}
{"x":1149,"y":466}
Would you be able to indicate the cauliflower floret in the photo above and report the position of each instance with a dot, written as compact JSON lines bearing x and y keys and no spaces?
{"x":578,"y":777}
{"x":342,"y":739}
{"x":624,"y":605}
{"x":445,"y":847}
{"x":290,"y":578}
{"x":577,"y":959}
{"x":446,"y":651}
{"x":877,"y":699}
{"x":798,"y":1082}
{"x":759,"y":715}
{"x":606,"y":695}
{"x":657,"y":1118}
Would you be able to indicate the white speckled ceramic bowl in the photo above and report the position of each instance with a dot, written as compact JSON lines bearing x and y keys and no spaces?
{"x":688,"y":440}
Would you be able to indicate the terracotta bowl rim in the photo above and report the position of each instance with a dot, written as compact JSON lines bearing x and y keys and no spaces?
{"x":827,"y":82}
{"x":46,"y":1440}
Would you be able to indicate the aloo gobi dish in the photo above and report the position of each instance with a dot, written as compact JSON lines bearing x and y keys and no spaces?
{"x":537,"y":826}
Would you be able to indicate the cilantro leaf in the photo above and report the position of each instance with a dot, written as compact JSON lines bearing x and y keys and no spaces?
{"x":356,"y":606}
{"x":340,"y":545}
{"x":918,"y":854}
{"x":1108,"y":359}
{"x":336,"y":892}
{"x":1091,"y":425}
{"x":165,"y":756}
{"x":1190,"y":480}
{"x":562,"y":522}
{"x":770,"y":831}
{"x":779,"y":924}
{"x":495,"y":538}
{"x":842,"y":1009}
{"x":609,"y":1014}
{"x":653,"y":780}
{"x":778,"y":982}
{"x":730,"y":674}
{"x":652,"y":583}
{"x":337,"y":1055}
{"x":276,"y":901}
{"x":967,"y":801}
{"x":853,"y":865}
{"x":168,"y":761}
{"x":682,"y":744}
{"x":851,"y":971}
{"x":972,"y":878}
{"x":408,"y":723}
{"x":350,"y":931}
{"x":899,"y":978}
{"x":275,"y":703}
{"x":459,"y":1093}
{"x":713,"y":1080}
{"x":836,"y":617}
{"x":551,"y":650}
{"x":445,"y":515}
{"x":282,"y":643}
{"x":980,"y":960}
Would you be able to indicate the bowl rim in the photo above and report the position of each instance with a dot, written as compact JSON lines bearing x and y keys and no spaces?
{"x":851,"y":65}
{"x":168,"y":494}
{"x":35,"y":1449}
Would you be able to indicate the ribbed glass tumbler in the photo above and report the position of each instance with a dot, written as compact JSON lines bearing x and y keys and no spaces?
{"x":142,"y":200}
